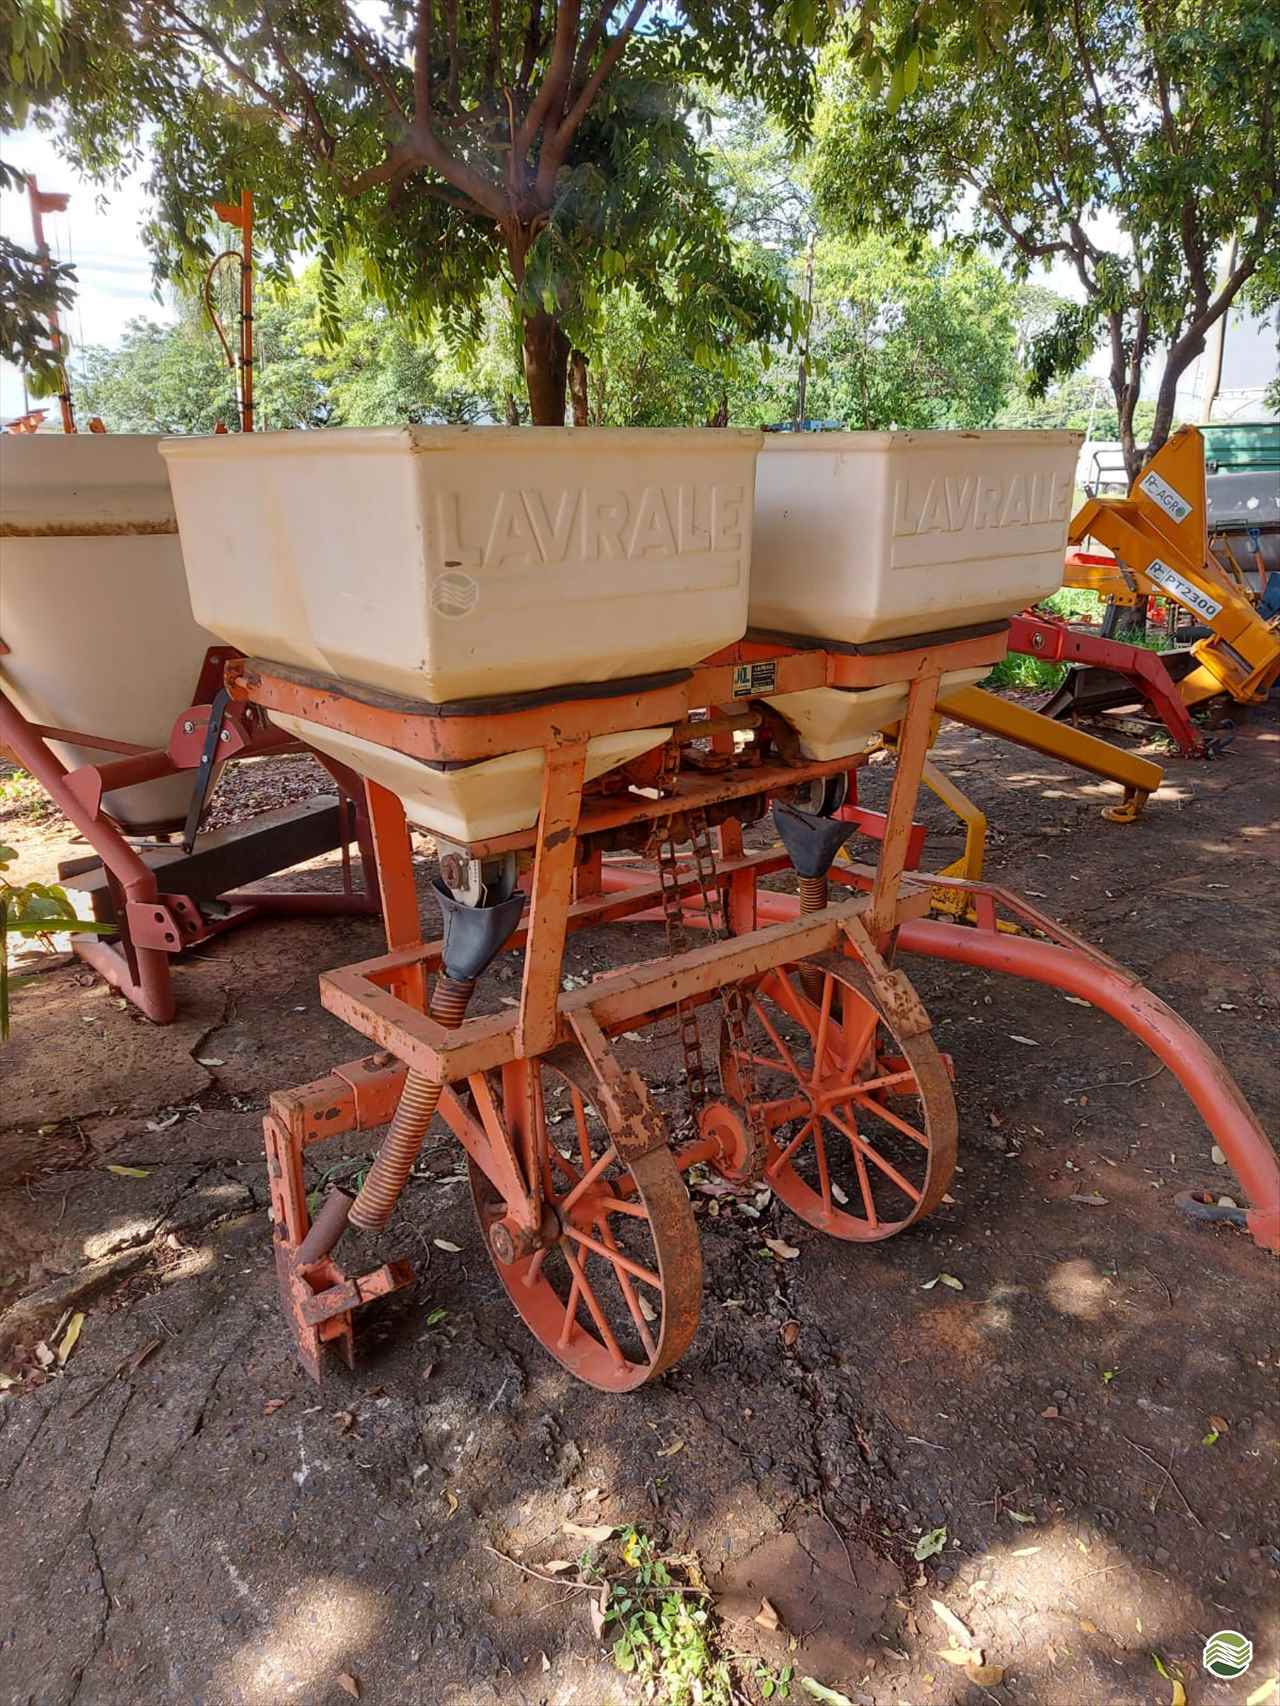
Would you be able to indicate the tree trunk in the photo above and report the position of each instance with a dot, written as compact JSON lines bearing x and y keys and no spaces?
{"x":721,"y":416}
{"x":511,"y":410}
{"x":578,"y":388}
{"x":546,"y":368}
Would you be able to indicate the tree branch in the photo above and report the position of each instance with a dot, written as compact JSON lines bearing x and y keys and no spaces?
{"x":555,"y":79}
{"x":532,"y":44}
{"x":238,"y":71}
{"x":422,"y":66}
{"x":360,"y":44}
{"x":555,"y":149}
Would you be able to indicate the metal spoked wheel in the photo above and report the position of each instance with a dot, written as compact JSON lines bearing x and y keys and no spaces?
{"x":862,"y":1124}
{"x":614,"y":1294}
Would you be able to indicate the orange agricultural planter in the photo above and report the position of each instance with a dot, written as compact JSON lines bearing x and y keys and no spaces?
{"x":830,"y":1086}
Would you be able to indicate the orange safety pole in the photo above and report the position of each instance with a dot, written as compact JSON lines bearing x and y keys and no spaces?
{"x":246,"y":312}
{"x":42,"y":202}
{"x":242,"y":218}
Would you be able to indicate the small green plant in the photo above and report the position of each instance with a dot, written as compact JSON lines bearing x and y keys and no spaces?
{"x":774,"y":1684}
{"x":662,"y":1631}
{"x":1025,"y":674}
{"x":30,"y":909}
{"x":22,"y":794}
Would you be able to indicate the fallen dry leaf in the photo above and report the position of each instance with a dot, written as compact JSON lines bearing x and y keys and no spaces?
{"x":44,"y":1356}
{"x":70,"y":1336}
{"x":1029,"y":1041}
{"x":593,"y":1536}
{"x":444,"y":1244}
{"x":952,"y":1623}
{"x":1090,"y":1199}
{"x":1019,"y":1516}
{"x":986,"y":1676}
{"x":451,"y":1500}
{"x":646,"y":1308}
{"x":1269,"y":1690}
{"x":1051,"y":1414}
{"x":127,"y":1172}
{"x":1179,"y":1695}
{"x":961,"y":1657}
{"x":783,"y":1251}
{"x":790,"y":1332}
{"x":546,"y":1664}
{"x":767,"y":1617}
{"x":272,"y":1405}
{"x":670,"y":1450}
{"x":554,"y":1566}
{"x":829,"y":1696}
{"x":344,"y":1420}
{"x":597,"y":1606}
{"x":348,"y":1684}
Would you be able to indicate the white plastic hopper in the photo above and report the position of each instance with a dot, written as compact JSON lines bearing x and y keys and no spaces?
{"x":93,"y":601}
{"x":452,"y":563}
{"x":863,"y":537}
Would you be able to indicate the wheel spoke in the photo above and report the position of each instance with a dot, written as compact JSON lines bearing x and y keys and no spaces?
{"x":881,"y":1112}
{"x":615,"y":1205}
{"x":589,"y":1243}
{"x":570,"y":1322}
{"x":824,"y":1019}
{"x":593,"y":1307}
{"x":580,"y":1119}
{"x":864,"y":1185}
{"x":594,"y":1170}
{"x":628,"y":1291}
{"x":781,"y":1047}
{"x":824,"y":1174}
{"x":843,"y":1092}
{"x":878,"y":1160}
{"x":780,"y":1160}
{"x":796,"y":1004}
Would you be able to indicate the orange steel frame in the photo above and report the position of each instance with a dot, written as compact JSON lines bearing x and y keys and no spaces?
{"x":880,"y":907}
{"x":159,"y":922}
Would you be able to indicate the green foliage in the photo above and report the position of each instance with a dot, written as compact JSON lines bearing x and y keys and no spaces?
{"x":175,"y":379}
{"x":443,"y":147}
{"x":911,"y":340}
{"x":1070,"y":406}
{"x":1162,"y":118}
{"x":31,"y":909}
{"x":28,"y":293}
{"x":665,"y":1639}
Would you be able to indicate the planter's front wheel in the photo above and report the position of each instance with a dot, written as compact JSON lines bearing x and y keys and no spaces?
{"x":862,"y":1124}
{"x":613,"y":1292}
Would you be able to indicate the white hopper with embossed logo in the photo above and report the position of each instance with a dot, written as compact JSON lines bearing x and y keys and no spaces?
{"x":452,"y":563}
{"x":867,"y":537}
{"x":93,"y":603}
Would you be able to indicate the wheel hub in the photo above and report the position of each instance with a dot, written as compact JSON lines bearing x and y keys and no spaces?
{"x":741,"y":1152}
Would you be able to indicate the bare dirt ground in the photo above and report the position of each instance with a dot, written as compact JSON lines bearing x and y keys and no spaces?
{"x":185,"y":1518}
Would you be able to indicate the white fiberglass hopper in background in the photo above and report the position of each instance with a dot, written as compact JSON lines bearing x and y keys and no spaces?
{"x":869,"y":536}
{"x":93,"y":602}
{"x":448,"y":563}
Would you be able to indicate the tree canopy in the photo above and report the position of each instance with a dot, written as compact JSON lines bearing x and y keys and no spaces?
{"x":1136,"y":144}
{"x":547,"y":143}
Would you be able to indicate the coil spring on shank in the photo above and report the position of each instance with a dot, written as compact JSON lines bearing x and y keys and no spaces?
{"x":412,"y":1119}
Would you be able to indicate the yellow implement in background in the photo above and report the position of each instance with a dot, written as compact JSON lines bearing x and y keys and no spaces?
{"x":1159,"y":539}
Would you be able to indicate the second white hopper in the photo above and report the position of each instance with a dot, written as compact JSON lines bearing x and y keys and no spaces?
{"x":868,"y":536}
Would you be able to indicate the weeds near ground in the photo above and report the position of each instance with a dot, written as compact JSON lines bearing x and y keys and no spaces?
{"x":662,"y":1629}
{"x":23,"y":795}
